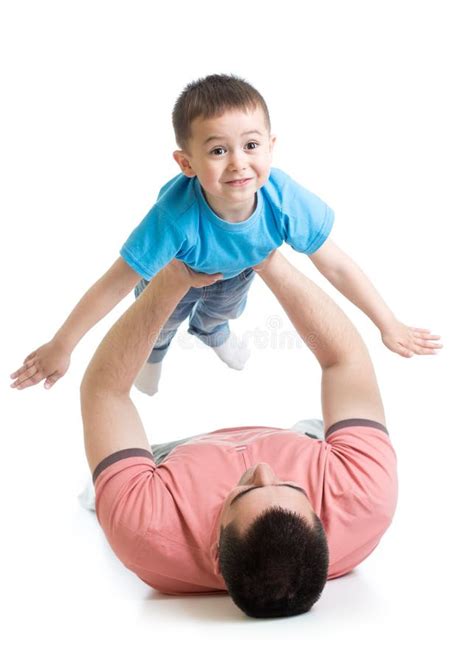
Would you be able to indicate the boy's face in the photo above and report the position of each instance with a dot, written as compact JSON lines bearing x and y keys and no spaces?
{"x":233,"y":146}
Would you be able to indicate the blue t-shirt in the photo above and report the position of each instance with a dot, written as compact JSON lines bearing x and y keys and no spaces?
{"x":182,"y":225}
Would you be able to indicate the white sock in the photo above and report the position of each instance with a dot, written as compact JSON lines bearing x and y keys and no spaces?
{"x":87,"y":496}
{"x":148,"y":378}
{"x":234,"y":352}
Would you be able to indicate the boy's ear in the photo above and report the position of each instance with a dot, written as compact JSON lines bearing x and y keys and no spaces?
{"x":272,"y":142}
{"x":182,"y":160}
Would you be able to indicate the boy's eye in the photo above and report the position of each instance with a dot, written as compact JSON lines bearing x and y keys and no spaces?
{"x":215,"y":150}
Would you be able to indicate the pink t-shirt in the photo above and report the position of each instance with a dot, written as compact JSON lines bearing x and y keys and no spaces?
{"x":162,"y":521}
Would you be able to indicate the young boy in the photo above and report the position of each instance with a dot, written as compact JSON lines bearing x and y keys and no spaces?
{"x":226,"y":212}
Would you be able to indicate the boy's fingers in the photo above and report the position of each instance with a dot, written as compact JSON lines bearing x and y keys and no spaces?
{"x":30,"y":356}
{"x":25,"y":366}
{"x":403,"y":351}
{"x":37,"y":377}
{"x":25,"y":376}
{"x":428,"y":344}
{"x":426,"y":348}
{"x":27,"y":362}
{"x":433,"y":337}
{"x":18,"y":371}
{"x":51,"y":380}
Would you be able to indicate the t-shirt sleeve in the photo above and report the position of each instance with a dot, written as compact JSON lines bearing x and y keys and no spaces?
{"x":153,"y":243}
{"x":360,"y":490}
{"x":127,"y":490}
{"x":307,"y":220}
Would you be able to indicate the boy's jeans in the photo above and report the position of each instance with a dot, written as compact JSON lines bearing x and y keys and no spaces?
{"x":209,"y":310}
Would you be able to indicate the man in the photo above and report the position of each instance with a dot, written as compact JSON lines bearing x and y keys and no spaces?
{"x":263,"y":513}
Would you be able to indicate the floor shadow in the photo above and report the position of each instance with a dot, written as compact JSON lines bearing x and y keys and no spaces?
{"x":348,"y":598}
{"x":199,"y":607}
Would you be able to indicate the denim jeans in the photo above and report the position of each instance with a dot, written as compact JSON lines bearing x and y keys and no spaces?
{"x":209,"y":309}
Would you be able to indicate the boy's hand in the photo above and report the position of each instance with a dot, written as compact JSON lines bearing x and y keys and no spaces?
{"x":407,"y":341}
{"x":49,"y":361}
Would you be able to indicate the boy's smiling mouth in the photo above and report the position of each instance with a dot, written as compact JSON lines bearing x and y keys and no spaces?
{"x":239,"y":182}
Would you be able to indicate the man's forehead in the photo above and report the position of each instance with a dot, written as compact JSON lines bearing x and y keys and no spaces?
{"x":255,"y":502}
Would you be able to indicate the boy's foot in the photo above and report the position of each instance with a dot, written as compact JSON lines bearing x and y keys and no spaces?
{"x":234,"y":352}
{"x":148,"y":378}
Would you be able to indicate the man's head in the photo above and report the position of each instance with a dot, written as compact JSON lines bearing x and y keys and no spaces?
{"x":273,"y":552}
{"x":222,"y":126}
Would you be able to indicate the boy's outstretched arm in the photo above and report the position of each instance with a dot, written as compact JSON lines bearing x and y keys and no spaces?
{"x":350,"y":280}
{"x":50,"y":361}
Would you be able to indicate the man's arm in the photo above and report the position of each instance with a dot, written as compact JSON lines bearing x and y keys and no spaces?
{"x":111,"y":421}
{"x":350,"y":280}
{"x":349,"y":386}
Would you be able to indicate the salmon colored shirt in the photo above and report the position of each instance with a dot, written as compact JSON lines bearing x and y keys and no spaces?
{"x":162,"y":521}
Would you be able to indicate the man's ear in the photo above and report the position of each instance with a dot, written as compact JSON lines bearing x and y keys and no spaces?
{"x":182,"y":159}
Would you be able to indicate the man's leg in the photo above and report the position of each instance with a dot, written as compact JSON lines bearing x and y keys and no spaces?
{"x":219,"y":303}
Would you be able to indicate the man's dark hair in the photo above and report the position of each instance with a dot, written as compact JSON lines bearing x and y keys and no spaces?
{"x":211,"y":97}
{"x":279,"y":566}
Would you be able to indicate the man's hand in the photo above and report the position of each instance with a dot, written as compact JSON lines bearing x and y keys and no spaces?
{"x":49,"y":361}
{"x":262,"y":266}
{"x":407,"y":341}
{"x":178,"y":270}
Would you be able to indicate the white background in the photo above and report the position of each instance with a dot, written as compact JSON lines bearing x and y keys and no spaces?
{"x":372,"y":105}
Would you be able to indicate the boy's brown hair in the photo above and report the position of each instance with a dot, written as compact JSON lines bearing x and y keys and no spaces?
{"x":211,"y":97}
